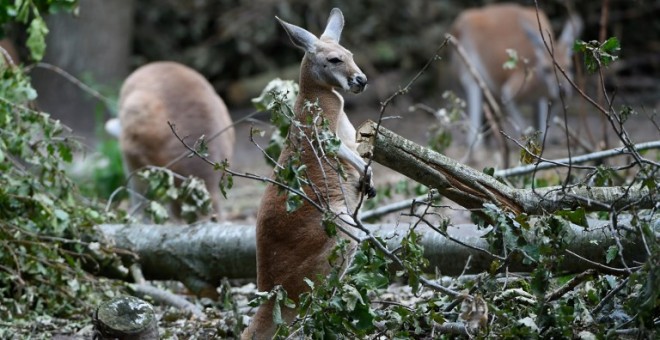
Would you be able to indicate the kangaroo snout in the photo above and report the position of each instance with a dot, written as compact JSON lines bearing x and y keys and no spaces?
{"x":358,"y":83}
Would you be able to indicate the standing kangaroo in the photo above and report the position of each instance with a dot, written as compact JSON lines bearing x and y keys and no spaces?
{"x":486,"y":33}
{"x":292,"y":246}
{"x":162,"y":92}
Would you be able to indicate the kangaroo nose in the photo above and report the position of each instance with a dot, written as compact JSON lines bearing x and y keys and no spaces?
{"x":361,"y":79}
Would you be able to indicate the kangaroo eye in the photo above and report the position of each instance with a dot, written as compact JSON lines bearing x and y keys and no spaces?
{"x":334,"y":60}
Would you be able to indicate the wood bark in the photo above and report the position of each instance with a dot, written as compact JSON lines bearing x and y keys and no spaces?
{"x":201,"y":255}
{"x":127,"y":318}
{"x":472,"y":189}
{"x":198,"y":255}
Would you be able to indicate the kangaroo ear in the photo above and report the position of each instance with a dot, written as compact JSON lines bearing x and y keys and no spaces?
{"x":300,"y":37}
{"x":335,"y":25}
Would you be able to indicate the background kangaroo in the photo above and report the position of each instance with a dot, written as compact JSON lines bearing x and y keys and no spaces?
{"x":294,"y":246}
{"x":486,"y":33}
{"x":167,"y":91}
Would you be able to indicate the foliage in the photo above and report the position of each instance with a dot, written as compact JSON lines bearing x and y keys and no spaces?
{"x":164,"y":187}
{"x":47,"y":238}
{"x":31,"y":13}
{"x":49,"y":248}
{"x":598,"y":55}
{"x":278,"y":97}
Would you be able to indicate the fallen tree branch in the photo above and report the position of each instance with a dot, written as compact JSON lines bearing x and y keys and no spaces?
{"x":570,"y":285}
{"x":202,"y":255}
{"x":143,"y":288}
{"x":472,"y":189}
{"x":565,"y":162}
{"x":517,"y":171}
{"x":167,"y":298}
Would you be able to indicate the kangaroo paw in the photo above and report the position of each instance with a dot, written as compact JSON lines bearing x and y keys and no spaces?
{"x":367,"y":184}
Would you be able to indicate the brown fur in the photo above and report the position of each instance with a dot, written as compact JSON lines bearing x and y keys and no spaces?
{"x":486,"y":33}
{"x":166,"y":91}
{"x":493,"y":29}
{"x":294,"y":246}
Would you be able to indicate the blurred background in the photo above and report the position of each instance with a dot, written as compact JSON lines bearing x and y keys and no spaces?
{"x":238,"y":46}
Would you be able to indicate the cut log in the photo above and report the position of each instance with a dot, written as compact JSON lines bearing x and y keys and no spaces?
{"x":125,"y":317}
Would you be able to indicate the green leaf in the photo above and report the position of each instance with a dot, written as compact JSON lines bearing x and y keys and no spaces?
{"x":226,"y":183}
{"x":611,"y":45}
{"x":604,"y":176}
{"x":65,"y":152}
{"x":577,"y":216}
{"x":371,"y":280}
{"x":36,"y":41}
{"x":277,"y":313}
{"x":364,"y":318}
{"x":293,"y":202}
{"x":309,"y":283}
{"x":611,"y":253}
{"x":157,"y":212}
{"x":351,"y":297}
{"x":61,"y":214}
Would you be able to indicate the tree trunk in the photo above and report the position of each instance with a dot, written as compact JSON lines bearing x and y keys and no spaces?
{"x":201,"y":255}
{"x":94,"y":47}
{"x":472,"y":189}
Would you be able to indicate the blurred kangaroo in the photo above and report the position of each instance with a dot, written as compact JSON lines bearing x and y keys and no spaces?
{"x":486,"y":33}
{"x":167,"y":91}
{"x":293,"y":246}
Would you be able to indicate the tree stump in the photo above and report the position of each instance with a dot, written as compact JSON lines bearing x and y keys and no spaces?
{"x":125,"y":318}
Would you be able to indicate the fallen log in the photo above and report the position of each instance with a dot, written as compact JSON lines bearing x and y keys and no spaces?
{"x":202,"y":255}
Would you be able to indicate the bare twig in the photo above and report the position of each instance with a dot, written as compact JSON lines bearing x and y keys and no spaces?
{"x":244,"y":175}
{"x":601,"y":267}
{"x":574,"y":135}
{"x":212,"y":137}
{"x":549,"y":164}
{"x":168,"y":298}
{"x":570,"y":285}
{"x":609,"y":297}
{"x":68,"y":76}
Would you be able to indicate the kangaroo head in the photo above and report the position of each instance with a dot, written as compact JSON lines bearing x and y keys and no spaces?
{"x":330,"y":64}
